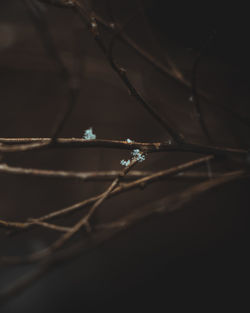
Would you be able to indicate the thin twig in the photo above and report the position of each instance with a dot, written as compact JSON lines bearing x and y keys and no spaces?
{"x":90,"y":176}
{"x":25,"y":144}
{"x":49,"y":225}
{"x":85,"y":221}
{"x":124,"y":187}
{"x":153,"y":61}
{"x":109,"y":230}
{"x":91,"y":23}
{"x":58,"y":252}
{"x":168,"y":72}
{"x":84,"y":176}
{"x":36,"y":145}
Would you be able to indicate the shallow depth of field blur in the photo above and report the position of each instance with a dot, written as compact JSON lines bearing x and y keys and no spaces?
{"x":194,"y":253}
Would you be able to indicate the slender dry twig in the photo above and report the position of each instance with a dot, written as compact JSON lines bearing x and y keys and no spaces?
{"x":166,"y":71}
{"x":175,"y":201}
{"x":13,"y":225}
{"x":25,"y":144}
{"x":36,"y":145}
{"x":109,"y":230}
{"x":124,"y":187}
{"x":90,"y":21}
{"x":91,"y":176}
{"x":84,"y":222}
{"x":84,"y":176}
{"x":31,"y":223}
{"x":63,"y":229}
{"x":169,"y":73}
{"x":58,"y":252}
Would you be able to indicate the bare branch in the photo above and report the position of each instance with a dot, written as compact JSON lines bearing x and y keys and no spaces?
{"x":91,"y":176}
{"x":84,"y":176}
{"x":25,"y":147}
{"x":109,"y":230}
{"x":230,"y":163}
{"x":170,"y":73}
{"x":85,"y":221}
{"x":124,"y":187}
{"x":49,"y":225}
{"x":91,"y":22}
{"x":25,"y":144}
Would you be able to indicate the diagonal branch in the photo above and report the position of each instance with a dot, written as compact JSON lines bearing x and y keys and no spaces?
{"x":124,"y":187}
{"x":166,"y":71}
{"x":92,"y":25}
{"x":109,"y":230}
{"x":84,"y":222}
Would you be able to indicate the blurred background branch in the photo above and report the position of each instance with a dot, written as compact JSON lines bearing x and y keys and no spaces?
{"x":125,"y":69}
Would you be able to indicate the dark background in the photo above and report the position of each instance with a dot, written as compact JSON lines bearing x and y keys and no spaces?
{"x":196,"y":257}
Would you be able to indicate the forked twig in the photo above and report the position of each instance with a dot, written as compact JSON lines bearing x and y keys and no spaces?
{"x":109,"y":230}
{"x":121,"y":180}
{"x":68,"y":233}
{"x":124,"y":187}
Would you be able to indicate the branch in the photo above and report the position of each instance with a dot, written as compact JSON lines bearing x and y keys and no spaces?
{"x":109,"y":230}
{"x":37,"y":145}
{"x":91,"y":176}
{"x":166,"y":71}
{"x":124,"y":187}
{"x":25,"y":144}
{"x":90,"y":21}
{"x":176,"y":75}
{"x":84,"y":222}
{"x":84,"y":176}
{"x":169,"y":72}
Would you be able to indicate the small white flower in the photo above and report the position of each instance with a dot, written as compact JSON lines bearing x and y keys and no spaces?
{"x":137,"y":154}
{"x":125,"y":163}
{"x":89,"y":135}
